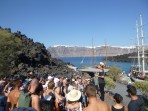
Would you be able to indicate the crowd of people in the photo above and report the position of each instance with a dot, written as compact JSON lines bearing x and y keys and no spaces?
{"x":63,"y":94}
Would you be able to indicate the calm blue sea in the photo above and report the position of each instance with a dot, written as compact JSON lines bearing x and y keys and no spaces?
{"x":87,"y":61}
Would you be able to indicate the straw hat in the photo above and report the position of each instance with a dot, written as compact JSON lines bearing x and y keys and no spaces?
{"x":74,"y":95}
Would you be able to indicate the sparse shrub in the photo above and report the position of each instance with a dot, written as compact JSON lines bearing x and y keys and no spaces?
{"x":114,"y":73}
{"x":143,"y":87}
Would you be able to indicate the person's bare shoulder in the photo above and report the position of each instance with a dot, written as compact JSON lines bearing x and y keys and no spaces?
{"x":103,"y":105}
{"x":35,"y":102}
{"x":35,"y":99}
{"x":57,"y":90}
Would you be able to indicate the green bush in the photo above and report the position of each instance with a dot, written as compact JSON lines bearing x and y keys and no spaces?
{"x":110,"y":84}
{"x":142,"y":86}
{"x":9,"y":45}
{"x":114,"y":71}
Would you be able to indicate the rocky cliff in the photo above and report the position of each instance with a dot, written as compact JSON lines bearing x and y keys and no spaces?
{"x":75,"y":51}
{"x":20,"y":55}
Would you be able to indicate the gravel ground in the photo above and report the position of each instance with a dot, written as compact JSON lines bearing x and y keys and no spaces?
{"x":120,"y":89}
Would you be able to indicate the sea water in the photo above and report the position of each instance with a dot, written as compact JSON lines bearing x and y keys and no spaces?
{"x":87,"y":61}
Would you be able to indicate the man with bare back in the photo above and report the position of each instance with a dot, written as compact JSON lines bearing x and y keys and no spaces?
{"x":94,"y":104}
{"x":14,"y":95}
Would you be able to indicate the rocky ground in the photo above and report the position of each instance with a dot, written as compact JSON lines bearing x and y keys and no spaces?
{"x":121,"y":89}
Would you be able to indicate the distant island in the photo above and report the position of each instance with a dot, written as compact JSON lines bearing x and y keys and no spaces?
{"x":77,"y":51}
{"x":131,"y":57}
{"x":113,"y":53}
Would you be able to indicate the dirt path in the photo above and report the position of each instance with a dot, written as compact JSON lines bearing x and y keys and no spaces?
{"x":121,"y":89}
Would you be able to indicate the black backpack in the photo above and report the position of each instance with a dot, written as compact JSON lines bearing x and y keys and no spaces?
{"x":48,"y":105}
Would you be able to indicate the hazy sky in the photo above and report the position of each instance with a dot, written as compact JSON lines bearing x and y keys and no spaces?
{"x":75,"y":22}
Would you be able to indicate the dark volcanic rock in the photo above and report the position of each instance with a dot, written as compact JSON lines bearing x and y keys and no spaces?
{"x":33,"y":56}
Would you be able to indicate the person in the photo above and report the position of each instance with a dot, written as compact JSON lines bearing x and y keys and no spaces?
{"x":49,"y":96}
{"x":72,"y":101}
{"x":60,"y":84}
{"x":64,"y":87}
{"x":34,"y":97}
{"x":45,"y":105}
{"x":95,"y":79}
{"x":3,"y":98}
{"x":94,"y":103}
{"x":59,"y":100}
{"x":50,"y":78}
{"x":33,"y":88}
{"x":136,"y":103}
{"x":101,"y":80}
{"x":117,"y":103}
{"x":71,"y":86}
{"x":14,"y":95}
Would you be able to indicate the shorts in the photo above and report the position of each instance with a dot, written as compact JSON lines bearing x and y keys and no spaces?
{"x":97,"y":88}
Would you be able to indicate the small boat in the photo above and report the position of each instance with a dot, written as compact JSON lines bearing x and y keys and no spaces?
{"x":90,"y":69}
{"x":72,"y":67}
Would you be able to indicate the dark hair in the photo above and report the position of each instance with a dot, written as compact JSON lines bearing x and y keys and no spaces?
{"x":90,"y":90}
{"x":118,"y":98}
{"x":102,"y":66}
{"x":132,"y":90}
{"x":39,"y":88}
{"x":71,"y":102}
{"x":17,"y":82}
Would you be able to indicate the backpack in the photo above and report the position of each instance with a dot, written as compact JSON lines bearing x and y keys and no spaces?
{"x":45,"y":105}
{"x":3,"y":102}
{"x":24,"y":109}
{"x":24,"y":99}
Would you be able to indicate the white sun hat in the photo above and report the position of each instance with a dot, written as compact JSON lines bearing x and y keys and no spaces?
{"x":74,"y":95}
{"x":50,"y":77}
{"x":101,"y":63}
{"x":56,"y":80}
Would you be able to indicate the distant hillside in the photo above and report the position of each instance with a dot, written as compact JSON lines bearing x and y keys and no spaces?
{"x":76,"y":51}
{"x":127,"y":57}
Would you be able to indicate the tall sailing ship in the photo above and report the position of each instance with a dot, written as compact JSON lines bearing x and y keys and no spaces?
{"x":139,"y":70}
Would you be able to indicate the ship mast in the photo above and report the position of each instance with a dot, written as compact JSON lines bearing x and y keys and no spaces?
{"x":106,"y":52}
{"x":142,"y":44}
{"x":93,"y":52}
{"x":138,"y":45}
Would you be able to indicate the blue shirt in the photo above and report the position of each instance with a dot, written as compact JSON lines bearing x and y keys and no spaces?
{"x":3,"y":102}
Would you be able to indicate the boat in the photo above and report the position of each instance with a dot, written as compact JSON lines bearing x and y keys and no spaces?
{"x":139,"y":70}
{"x":72,"y":67}
{"x":91,"y":69}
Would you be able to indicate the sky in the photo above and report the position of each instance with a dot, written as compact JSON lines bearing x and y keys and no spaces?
{"x":75,"y":22}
